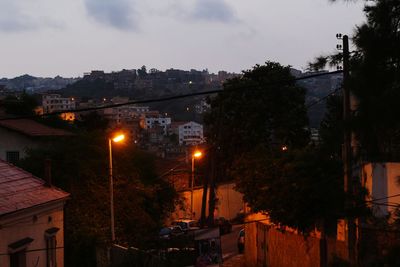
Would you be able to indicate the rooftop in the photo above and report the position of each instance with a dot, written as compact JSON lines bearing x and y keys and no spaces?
{"x":20,"y":190}
{"x":32,"y":128}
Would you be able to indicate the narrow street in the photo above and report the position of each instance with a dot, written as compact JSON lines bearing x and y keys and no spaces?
{"x":230,"y":253}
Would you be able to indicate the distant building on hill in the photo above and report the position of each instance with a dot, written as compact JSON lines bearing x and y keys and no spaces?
{"x":149,"y":121}
{"x":55,"y":102}
{"x":190,"y":133}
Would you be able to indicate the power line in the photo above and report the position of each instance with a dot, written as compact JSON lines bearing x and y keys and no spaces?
{"x":383,"y":198}
{"x":386,"y":205}
{"x":323,"y":98}
{"x":169,"y":98}
{"x":33,"y":250}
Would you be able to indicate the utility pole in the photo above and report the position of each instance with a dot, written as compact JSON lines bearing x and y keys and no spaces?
{"x":351,"y":236}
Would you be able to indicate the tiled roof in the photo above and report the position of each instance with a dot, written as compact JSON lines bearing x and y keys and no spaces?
{"x":32,"y":128}
{"x":20,"y":190}
{"x":175,"y":124}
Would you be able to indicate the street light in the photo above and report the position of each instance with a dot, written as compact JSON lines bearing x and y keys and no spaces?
{"x":116,"y":139}
{"x":197,"y":154}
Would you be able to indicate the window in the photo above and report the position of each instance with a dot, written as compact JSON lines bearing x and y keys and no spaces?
{"x":17,"y":252}
{"x":51,"y":246}
{"x":18,"y":259}
{"x":12,"y":156}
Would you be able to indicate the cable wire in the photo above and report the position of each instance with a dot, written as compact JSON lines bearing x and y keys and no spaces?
{"x":166,"y":98}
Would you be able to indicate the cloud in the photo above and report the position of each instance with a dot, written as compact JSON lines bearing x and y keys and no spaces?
{"x":13,"y":19}
{"x":213,"y":10}
{"x":118,"y":14}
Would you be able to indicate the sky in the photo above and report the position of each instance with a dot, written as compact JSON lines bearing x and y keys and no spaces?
{"x":69,"y":37}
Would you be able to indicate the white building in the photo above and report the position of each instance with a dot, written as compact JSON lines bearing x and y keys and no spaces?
{"x":381,"y":179}
{"x":31,"y":220}
{"x":190,"y":133}
{"x":55,"y":102}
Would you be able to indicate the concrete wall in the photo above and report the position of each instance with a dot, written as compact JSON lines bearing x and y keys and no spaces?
{"x":291,"y":249}
{"x":33,"y":223}
{"x":268,"y":245}
{"x":229,"y":203}
{"x":265,"y":245}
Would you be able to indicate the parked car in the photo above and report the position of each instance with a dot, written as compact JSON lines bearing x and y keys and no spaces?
{"x":186,"y":224}
{"x":240,"y":241}
{"x":170,"y":232}
{"x":225,"y":226}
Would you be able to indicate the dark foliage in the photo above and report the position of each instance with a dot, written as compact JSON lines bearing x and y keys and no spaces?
{"x":22,"y":105}
{"x":80,"y":166}
{"x":249,"y":124}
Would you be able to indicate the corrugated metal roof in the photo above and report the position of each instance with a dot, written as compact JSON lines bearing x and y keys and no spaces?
{"x":20,"y":190}
{"x":32,"y":128}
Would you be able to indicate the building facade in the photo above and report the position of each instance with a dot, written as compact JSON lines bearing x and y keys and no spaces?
{"x":381,"y":180}
{"x":190,"y":133}
{"x":55,"y":102}
{"x":17,"y":136}
{"x":150,"y":122}
{"x":31,"y":220}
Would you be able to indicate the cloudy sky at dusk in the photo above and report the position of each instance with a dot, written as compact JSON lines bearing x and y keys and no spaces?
{"x":69,"y":37}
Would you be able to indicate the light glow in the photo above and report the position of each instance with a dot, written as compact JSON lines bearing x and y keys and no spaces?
{"x":197,"y":154}
{"x":118,"y":138}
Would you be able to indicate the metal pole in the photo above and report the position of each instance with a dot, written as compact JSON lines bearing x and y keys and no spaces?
{"x":111,"y":190}
{"x":191,"y":190}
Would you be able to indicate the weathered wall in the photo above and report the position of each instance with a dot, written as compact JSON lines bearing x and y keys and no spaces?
{"x":229,"y":203}
{"x":267,"y":246}
{"x":250,"y":241}
{"x":287,"y":249}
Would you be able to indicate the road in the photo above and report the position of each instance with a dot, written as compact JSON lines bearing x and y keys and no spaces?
{"x":229,"y":242}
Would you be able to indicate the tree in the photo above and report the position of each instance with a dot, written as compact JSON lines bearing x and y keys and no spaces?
{"x":20,"y":105}
{"x":142,"y":72}
{"x":375,"y":81}
{"x":257,"y":109}
{"x":257,"y":132}
{"x":300,"y":188}
{"x":80,"y":166}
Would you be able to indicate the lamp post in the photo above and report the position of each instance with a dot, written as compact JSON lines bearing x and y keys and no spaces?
{"x":196,"y":154}
{"x":115,"y":139}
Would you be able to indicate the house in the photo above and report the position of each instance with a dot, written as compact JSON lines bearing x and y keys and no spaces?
{"x":55,"y":102}
{"x":190,"y":133}
{"x":19,"y":135}
{"x":31,"y":220}
{"x":381,"y":180}
{"x":149,"y":121}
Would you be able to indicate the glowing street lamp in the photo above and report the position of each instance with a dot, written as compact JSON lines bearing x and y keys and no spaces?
{"x":196,"y":155}
{"x":116,"y":139}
